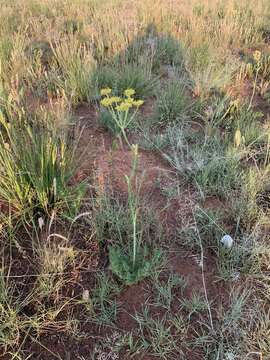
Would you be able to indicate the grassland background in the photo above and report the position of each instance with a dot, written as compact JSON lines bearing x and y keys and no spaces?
{"x":202,"y":69}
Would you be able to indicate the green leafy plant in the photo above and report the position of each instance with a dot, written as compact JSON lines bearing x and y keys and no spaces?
{"x":130,"y":271}
{"x":138,"y":262}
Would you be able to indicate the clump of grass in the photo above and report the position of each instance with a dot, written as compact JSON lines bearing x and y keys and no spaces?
{"x":230,"y":326}
{"x":162,"y":50}
{"x":76,"y":64}
{"x":72,"y":26}
{"x":53,"y":259}
{"x":252,"y":202}
{"x":172,"y":104}
{"x":131,"y":75}
{"x":41,"y":49}
{"x":165,"y":289}
{"x":195,"y":305}
{"x":160,"y":336}
{"x":218,"y":175}
{"x":5,"y":49}
{"x":168,"y":51}
{"x":11,"y":325}
{"x":242,"y":127}
{"x":102,"y":306}
{"x":234,"y":262}
{"x":211,"y":76}
{"x":35,"y":171}
{"x":213,"y":168}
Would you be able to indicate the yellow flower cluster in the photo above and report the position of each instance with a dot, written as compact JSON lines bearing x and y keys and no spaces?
{"x":138,"y":103}
{"x":129,"y":92}
{"x":257,"y":56}
{"x":125,"y":103}
{"x":109,"y":101}
{"x":105,"y":91}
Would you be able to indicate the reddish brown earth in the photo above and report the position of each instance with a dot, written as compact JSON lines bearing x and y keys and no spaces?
{"x":111,"y":166}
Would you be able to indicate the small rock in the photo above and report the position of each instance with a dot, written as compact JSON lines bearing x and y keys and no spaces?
{"x":41,"y":223}
{"x":227,"y":241}
{"x":85,"y":295}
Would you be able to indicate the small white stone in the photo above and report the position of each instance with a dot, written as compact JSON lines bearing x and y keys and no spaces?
{"x":227,"y":241}
{"x":85,"y":295}
{"x":41,"y":223}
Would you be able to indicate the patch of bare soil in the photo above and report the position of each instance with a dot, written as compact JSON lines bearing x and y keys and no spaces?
{"x":132,"y":300}
{"x":112,"y":163}
{"x":190,"y":267}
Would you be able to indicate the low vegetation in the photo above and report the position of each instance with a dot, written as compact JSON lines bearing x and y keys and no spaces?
{"x":134,"y":180}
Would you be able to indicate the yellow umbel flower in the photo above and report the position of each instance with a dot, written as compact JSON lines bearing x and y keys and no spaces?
{"x":129,"y":92}
{"x":124,"y":106}
{"x":109,"y":101}
{"x":138,"y":103}
{"x":115,"y":99}
{"x":257,"y":56}
{"x":106,"y":102}
{"x":105,"y":91}
{"x":129,"y":100}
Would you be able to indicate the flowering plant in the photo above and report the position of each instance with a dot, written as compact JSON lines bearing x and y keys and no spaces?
{"x":122,"y":109}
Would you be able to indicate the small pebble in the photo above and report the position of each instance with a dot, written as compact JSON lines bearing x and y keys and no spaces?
{"x":227,"y":241}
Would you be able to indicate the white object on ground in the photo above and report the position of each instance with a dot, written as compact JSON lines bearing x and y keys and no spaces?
{"x":85,"y":295}
{"x":227,"y":241}
{"x":41,"y":223}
